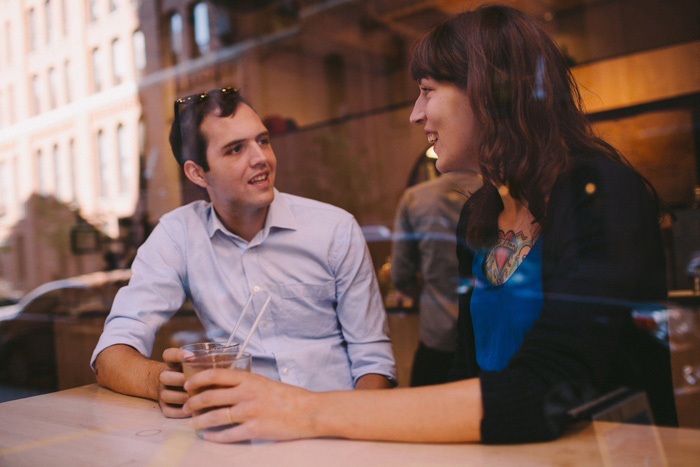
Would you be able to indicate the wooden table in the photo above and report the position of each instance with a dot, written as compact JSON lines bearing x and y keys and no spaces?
{"x":94,"y":426}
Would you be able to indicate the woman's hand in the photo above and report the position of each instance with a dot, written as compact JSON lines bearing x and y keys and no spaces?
{"x":262,"y":409}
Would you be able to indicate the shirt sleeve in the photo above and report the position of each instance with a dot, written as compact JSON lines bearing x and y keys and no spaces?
{"x":359,"y":304}
{"x":154,"y":293}
{"x":604,"y":255}
{"x":405,"y":255}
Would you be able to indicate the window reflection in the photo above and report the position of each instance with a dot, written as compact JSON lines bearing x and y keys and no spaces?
{"x":139,"y":46}
{"x":97,"y":70}
{"x":118,"y":62}
{"x":102,"y":158}
{"x":200,"y":14}
{"x":176,"y":42}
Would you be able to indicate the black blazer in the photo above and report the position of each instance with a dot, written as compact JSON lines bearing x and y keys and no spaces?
{"x":602,"y":257}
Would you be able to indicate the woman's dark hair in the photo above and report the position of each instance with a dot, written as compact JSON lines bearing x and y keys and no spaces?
{"x":526,"y":103}
{"x":186,"y":139}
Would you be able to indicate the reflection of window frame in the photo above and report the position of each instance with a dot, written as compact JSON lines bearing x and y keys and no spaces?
{"x":53,"y":88}
{"x":48,"y":20}
{"x":64,"y":17}
{"x":123,"y":158}
{"x":4,"y":179}
{"x":42,"y":172}
{"x":201,"y":30}
{"x":138,"y":41}
{"x":31,"y":29}
{"x":102,"y":162}
{"x":57,"y":178}
{"x":36,"y":95}
{"x":72,"y":170}
{"x":97,"y":69}
{"x":68,"y":80}
{"x":175,"y":41}
{"x":91,"y":6}
{"x":118,"y":69}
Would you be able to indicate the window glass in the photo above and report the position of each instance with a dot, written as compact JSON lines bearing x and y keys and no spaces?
{"x":31,"y":29}
{"x":176,"y":42}
{"x":200,"y":14}
{"x":103,"y":160}
{"x":68,"y":80}
{"x":124,"y":155}
{"x":48,"y":20}
{"x":53,"y":88}
{"x":139,"y":52}
{"x":97,"y":69}
{"x":44,"y":172}
{"x":36,"y":95}
{"x":118,"y":62}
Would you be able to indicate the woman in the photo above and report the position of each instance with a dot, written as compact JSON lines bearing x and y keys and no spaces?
{"x":566,"y":239}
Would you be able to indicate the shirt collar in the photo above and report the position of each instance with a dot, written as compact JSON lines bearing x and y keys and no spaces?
{"x":280,"y":216}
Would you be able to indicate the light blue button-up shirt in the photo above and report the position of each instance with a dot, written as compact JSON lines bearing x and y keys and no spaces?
{"x":325,"y":326}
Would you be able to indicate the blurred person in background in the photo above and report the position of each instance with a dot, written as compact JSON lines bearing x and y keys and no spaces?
{"x":424,"y":264}
{"x":325,"y":327}
{"x":566,"y":240}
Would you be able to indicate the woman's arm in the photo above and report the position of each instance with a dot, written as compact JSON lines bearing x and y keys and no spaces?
{"x":266,"y":409}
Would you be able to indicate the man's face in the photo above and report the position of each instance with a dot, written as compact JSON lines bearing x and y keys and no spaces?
{"x":241,"y":174}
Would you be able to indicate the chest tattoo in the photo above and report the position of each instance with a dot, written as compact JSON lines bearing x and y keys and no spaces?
{"x":504,"y":258}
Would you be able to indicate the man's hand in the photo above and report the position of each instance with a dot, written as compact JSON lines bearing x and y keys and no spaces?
{"x":171,"y":395}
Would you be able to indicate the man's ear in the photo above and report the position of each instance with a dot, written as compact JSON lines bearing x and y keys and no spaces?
{"x":195,"y":173}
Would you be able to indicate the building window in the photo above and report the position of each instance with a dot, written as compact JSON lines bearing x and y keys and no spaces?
{"x":8,"y":41}
{"x":92,"y":10}
{"x":36,"y":92}
{"x":31,"y":28}
{"x":113,"y":4}
{"x":200,"y":18}
{"x":4,"y":188}
{"x":139,"y":44}
{"x":11,"y":102}
{"x":123,"y":146}
{"x":118,"y":68}
{"x":53,"y":88}
{"x":175,"y":37}
{"x":68,"y":80}
{"x":73,"y":185}
{"x":48,"y":20}
{"x":44,"y":171}
{"x":64,"y":17}
{"x":103,"y":162}
{"x":97,"y":69}
{"x":59,"y":179}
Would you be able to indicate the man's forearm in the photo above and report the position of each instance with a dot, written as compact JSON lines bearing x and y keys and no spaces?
{"x":373,"y":381}
{"x":123,"y":369}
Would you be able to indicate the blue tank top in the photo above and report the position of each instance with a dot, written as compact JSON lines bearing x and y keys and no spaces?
{"x":502,"y":314}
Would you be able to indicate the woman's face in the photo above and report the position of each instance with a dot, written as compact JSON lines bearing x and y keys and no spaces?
{"x":448,"y":121}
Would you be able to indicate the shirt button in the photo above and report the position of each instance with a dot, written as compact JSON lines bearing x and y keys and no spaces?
{"x":256,"y":288}
{"x":285,"y":371}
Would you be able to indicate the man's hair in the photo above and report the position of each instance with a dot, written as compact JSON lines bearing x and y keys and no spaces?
{"x":186,"y":139}
{"x":525,"y":101}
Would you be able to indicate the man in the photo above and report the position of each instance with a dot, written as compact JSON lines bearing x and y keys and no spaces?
{"x":325,"y":327}
{"x":424,"y":259}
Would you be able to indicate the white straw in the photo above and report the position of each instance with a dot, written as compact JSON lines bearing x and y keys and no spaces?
{"x":255,"y":325}
{"x":240,"y":319}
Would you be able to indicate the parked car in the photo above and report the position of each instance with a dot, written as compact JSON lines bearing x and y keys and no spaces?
{"x":27,"y":348}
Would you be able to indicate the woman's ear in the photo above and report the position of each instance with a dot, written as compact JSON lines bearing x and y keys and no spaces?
{"x":195,"y":173}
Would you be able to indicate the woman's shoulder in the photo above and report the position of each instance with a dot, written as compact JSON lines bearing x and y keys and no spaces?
{"x":590,"y":174}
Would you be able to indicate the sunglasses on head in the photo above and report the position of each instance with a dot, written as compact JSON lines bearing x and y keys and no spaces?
{"x":203,"y":96}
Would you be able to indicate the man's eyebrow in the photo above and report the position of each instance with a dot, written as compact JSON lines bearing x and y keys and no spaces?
{"x":239,"y":141}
